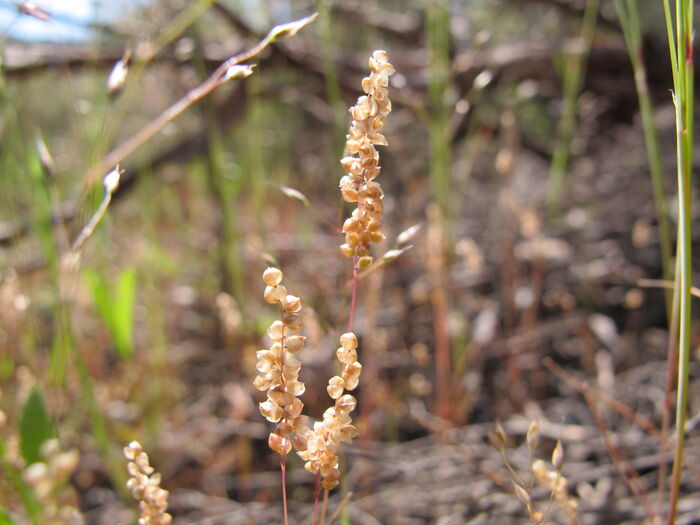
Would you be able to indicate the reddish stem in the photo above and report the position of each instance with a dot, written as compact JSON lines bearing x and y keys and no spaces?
{"x":324,"y":507}
{"x":317,"y":493}
{"x":283,"y":467}
{"x":355,"y":278}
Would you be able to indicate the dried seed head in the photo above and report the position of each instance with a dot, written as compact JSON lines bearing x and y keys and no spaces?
{"x":145,"y":487}
{"x":361,"y":165}
{"x":346,"y":403}
{"x":271,"y":411}
{"x":295,"y":343}
{"x":291,"y":303}
{"x":347,"y":250}
{"x":336,"y":385}
{"x":498,"y":437}
{"x":365,"y":262}
{"x":292,"y":321}
{"x":558,"y":456}
{"x":348,"y":341}
{"x":272,"y":276}
{"x":276,"y":331}
{"x":536,"y":516}
{"x":346,"y":357}
{"x":279,"y":369}
{"x":279,"y":444}
{"x":522,"y":494}
{"x":533,"y":434}
{"x":318,"y":447}
{"x":274,"y":294}
{"x":351,"y":375}
{"x":64,"y":463}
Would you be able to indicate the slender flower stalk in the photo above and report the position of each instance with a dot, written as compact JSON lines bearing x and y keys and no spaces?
{"x":319,"y":447}
{"x":278,"y":373}
{"x":278,"y":368}
{"x":680,"y":39}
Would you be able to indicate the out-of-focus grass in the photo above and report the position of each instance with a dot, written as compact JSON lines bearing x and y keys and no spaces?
{"x":628,"y":14}
{"x":114,"y":300}
{"x":573,"y":72}
{"x":329,"y":50}
{"x":437,"y":23}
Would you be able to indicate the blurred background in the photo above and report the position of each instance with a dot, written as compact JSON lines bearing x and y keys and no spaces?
{"x":521,"y":278}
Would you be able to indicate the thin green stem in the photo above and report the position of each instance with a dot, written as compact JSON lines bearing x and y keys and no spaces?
{"x":671,"y":41}
{"x":438,"y":43}
{"x":682,"y":62}
{"x":628,"y":14}
{"x":330,"y":75}
{"x":573,"y":76}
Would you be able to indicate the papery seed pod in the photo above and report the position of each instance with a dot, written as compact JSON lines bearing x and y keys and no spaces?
{"x":284,"y":429}
{"x":533,"y":434}
{"x":347,"y":402}
{"x":291,"y":303}
{"x":537,"y":516}
{"x":279,"y":444}
{"x":276,"y":330}
{"x":346,"y":356}
{"x":274,"y":294}
{"x":349,"y":341}
{"x":558,"y":456}
{"x":522,"y":494}
{"x":336,"y":385}
{"x":296,"y":388}
{"x":295,"y":343}
{"x":347,"y":250}
{"x":498,"y":437}
{"x":292,"y":321}
{"x":271,"y":411}
{"x":365,"y":262}
{"x":272,"y":276}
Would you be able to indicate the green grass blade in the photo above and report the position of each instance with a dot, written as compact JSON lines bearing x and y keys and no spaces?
{"x":35,"y":426}
{"x":115,"y":306}
{"x":628,"y":14}
{"x":573,"y":82}
{"x":123,"y":313}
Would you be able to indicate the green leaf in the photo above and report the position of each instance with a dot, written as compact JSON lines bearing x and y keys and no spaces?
{"x":35,"y":427}
{"x":100,"y":295}
{"x":123,"y":313}
{"x":115,"y":305}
